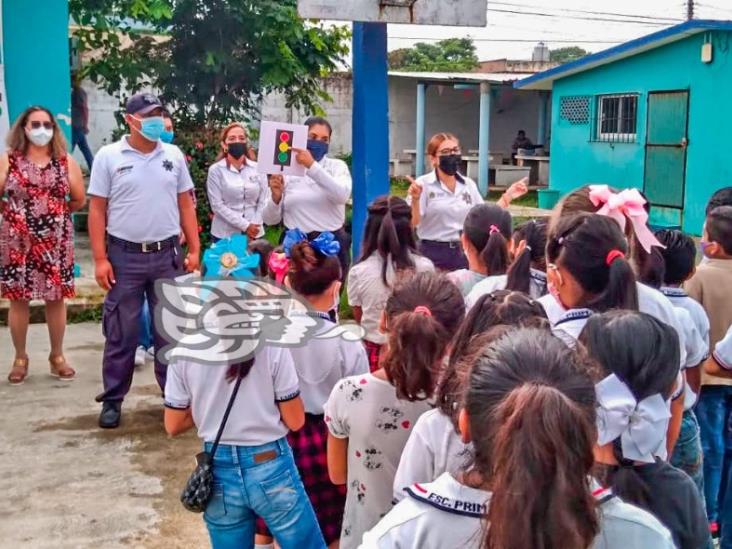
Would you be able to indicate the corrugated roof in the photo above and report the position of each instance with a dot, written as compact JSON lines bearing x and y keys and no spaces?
{"x":462,"y":77}
{"x":544,"y":80}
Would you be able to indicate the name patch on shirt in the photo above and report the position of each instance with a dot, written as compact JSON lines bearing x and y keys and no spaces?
{"x":456,"y":506}
{"x":124,"y":169}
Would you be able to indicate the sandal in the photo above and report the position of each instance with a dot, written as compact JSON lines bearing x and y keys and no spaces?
{"x":19,"y":371}
{"x":61,"y":369}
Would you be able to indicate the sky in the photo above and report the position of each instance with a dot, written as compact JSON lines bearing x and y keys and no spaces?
{"x":515,"y":26}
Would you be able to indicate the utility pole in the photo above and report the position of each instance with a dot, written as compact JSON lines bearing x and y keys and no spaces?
{"x":689,"y":10}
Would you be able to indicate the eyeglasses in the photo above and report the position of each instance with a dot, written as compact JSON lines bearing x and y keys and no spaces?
{"x":35,"y":124}
{"x":445,"y":152}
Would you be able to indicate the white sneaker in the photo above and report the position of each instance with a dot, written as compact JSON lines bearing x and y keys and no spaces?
{"x":150,"y":354}
{"x":140,"y":356}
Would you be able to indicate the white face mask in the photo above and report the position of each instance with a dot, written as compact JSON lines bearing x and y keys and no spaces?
{"x":40,"y":136}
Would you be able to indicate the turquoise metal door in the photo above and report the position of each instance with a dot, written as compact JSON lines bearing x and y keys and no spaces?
{"x":666,"y":143}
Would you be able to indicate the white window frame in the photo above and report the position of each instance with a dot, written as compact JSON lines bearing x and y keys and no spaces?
{"x":616,"y":137}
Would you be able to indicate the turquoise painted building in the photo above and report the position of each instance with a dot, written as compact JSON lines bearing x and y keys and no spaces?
{"x":654,"y":113}
{"x":35,"y":53}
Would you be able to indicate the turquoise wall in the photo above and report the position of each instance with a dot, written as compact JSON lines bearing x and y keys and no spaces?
{"x":36,"y":55}
{"x":577,"y":161}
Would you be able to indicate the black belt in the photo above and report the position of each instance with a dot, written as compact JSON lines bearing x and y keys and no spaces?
{"x":448,"y":244}
{"x":145,"y":247}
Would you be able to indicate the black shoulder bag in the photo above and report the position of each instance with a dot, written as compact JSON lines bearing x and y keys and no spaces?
{"x":197,"y":491}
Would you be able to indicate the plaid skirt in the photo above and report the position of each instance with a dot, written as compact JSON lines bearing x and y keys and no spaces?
{"x":373,"y":351}
{"x":309,"y":446}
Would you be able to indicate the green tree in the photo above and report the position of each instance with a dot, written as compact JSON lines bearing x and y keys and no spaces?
{"x":565,"y":55}
{"x":450,"y":55}
{"x":212,"y":60}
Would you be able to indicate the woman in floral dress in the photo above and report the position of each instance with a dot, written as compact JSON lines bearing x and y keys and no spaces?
{"x":40,"y":185}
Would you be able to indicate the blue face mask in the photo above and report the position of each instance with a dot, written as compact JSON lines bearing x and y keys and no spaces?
{"x":152,"y":128}
{"x":167,"y":136}
{"x":318,"y":149}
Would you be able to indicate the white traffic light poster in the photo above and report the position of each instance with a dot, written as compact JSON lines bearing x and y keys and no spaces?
{"x":276,"y":141}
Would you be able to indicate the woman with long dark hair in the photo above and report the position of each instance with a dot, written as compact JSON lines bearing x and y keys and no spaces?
{"x":529,"y":411}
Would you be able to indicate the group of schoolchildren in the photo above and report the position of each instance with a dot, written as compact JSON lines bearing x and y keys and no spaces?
{"x":570,"y":388}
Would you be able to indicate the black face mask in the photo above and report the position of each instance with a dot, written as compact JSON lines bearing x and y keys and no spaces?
{"x":450,"y":163}
{"x":236,"y":150}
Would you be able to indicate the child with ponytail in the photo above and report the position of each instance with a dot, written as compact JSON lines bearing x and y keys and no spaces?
{"x":529,"y":411}
{"x":435,"y":445}
{"x":371,"y":416}
{"x":529,"y":266}
{"x":637,"y":357}
{"x":389,"y":254}
{"x":314,"y":272}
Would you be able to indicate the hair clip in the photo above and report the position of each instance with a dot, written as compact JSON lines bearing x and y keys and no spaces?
{"x":493,"y":229}
{"x":325,"y":243}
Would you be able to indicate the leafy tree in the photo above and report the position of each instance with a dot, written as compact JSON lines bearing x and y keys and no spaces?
{"x":212,"y":60}
{"x":450,"y":55}
{"x":565,"y":55}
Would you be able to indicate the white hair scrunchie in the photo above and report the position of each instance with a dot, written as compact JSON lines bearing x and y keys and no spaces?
{"x":641,"y":426}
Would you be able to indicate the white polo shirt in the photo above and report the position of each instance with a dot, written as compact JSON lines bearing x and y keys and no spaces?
{"x":141,"y":189}
{"x":237,"y":197}
{"x":446,"y":514}
{"x":490,"y":284}
{"x":723,"y":351}
{"x":315,"y":202}
{"x":255,"y":417}
{"x":679,"y":298}
{"x":442,"y":212}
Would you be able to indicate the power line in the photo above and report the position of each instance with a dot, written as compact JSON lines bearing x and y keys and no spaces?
{"x":530,"y":40}
{"x":613,"y":14}
{"x":581,"y":18}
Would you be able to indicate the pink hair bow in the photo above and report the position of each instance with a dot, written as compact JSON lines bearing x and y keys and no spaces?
{"x":623,"y":206}
{"x":279,"y":265}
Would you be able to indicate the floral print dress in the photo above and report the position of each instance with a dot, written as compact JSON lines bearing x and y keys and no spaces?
{"x":36,"y":232}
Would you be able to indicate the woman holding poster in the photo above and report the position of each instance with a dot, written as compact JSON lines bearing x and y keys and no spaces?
{"x":315,"y":202}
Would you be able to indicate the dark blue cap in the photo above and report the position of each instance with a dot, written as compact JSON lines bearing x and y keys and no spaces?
{"x":143,"y":103}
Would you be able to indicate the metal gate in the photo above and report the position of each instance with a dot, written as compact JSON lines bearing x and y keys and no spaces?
{"x":666,"y":143}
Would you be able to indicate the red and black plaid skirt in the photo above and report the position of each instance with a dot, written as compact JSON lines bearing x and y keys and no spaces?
{"x":309,"y":447}
{"x":373,"y":350}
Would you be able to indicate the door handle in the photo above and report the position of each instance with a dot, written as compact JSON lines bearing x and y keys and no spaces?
{"x":684,"y":142}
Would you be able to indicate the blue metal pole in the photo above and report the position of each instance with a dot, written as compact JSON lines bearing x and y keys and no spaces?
{"x":370,"y":122}
{"x":420,"y":141}
{"x":541,"y":132}
{"x":484,"y":137}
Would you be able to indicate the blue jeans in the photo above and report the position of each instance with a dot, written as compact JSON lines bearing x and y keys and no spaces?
{"x":78,"y":137}
{"x":146,"y":328}
{"x":687,"y":454}
{"x":245,"y":488}
{"x":713,"y":413}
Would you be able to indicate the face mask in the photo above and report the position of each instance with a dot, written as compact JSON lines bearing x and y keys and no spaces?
{"x":450,"y":163}
{"x":703,"y":245}
{"x":40,"y":136}
{"x":167,"y":136}
{"x":236,"y":150}
{"x":318,"y":149}
{"x":151,"y":128}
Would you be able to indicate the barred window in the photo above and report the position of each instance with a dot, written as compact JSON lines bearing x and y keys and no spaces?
{"x":575,"y":109}
{"x":617,"y":118}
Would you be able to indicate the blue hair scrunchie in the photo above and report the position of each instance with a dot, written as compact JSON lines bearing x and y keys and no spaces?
{"x":326,"y":243}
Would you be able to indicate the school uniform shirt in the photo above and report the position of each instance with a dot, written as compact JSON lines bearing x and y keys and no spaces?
{"x":141,"y":190}
{"x":723,"y":351}
{"x":433,"y":448}
{"x":537,"y":286}
{"x":569,"y":326}
{"x":674,"y":499}
{"x":710,"y":286}
{"x":446,"y":514}
{"x":365,"y":410}
{"x":650,"y":301}
{"x":236,"y":196}
{"x":321,"y":363}
{"x":255,"y":417}
{"x":697,"y":351}
{"x":442,"y":212}
{"x":679,"y":298}
{"x":366,"y":289}
{"x":465,"y":279}
{"x":314,"y":202}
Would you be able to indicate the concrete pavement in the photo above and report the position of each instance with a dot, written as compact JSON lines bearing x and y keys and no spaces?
{"x":68,"y":484}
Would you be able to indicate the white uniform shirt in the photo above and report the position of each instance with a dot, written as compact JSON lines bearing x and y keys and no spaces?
{"x":237,"y":197}
{"x":569,"y":326}
{"x":366,"y":289}
{"x":443,"y":213}
{"x":537,"y":287}
{"x":141,"y":190}
{"x":723,"y":351}
{"x":445,"y":514}
{"x":465,"y":279}
{"x":315,"y":202}
{"x":321,"y":363}
{"x":366,"y":411}
{"x":255,"y":417}
{"x":697,"y":350}
{"x":679,"y":298}
{"x":433,"y":448}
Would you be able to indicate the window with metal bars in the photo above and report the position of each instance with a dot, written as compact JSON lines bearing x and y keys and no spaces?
{"x":617,"y":118}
